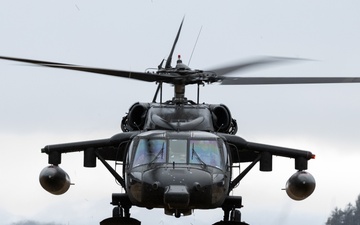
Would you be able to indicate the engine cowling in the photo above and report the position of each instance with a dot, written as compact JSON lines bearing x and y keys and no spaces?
{"x":54,"y":180}
{"x":300,"y":185}
{"x":135,"y":120}
{"x":221,"y":117}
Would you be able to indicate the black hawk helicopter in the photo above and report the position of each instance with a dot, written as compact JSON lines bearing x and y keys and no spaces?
{"x":178,"y":155}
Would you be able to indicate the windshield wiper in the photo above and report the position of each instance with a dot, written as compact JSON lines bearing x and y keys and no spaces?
{"x":161,"y":152}
{"x":197,"y":156}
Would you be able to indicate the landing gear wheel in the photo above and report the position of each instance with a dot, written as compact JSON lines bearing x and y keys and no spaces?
{"x":121,"y":212}
{"x":120,"y":221}
{"x":230,"y":223}
{"x":232,"y":215}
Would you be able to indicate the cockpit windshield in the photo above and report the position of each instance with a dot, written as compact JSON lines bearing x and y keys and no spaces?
{"x":206,"y":152}
{"x":150,"y":151}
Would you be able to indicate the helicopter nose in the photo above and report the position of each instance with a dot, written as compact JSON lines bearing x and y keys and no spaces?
{"x":176,"y":196}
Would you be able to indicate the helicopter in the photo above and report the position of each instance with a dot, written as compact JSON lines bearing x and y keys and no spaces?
{"x":179,"y":154}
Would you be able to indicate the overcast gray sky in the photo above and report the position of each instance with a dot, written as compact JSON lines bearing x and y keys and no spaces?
{"x":41,"y":106}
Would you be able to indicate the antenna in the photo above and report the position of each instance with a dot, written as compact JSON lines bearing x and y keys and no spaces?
{"x":194,"y":46}
{"x":168,"y":61}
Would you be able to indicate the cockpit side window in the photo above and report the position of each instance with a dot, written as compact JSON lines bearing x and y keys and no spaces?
{"x":150,"y":151}
{"x":205,"y":152}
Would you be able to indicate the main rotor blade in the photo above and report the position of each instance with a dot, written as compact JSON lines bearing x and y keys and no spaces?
{"x":168,"y":61}
{"x":287,"y":80}
{"x":150,"y":77}
{"x":251,"y":64}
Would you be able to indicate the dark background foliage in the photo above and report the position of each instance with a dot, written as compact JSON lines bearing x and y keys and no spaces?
{"x":350,"y":215}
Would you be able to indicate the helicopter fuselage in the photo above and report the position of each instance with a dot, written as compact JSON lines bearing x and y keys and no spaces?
{"x":177,"y":171}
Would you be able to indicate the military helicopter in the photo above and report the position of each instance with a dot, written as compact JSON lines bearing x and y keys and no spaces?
{"x":179,"y":154}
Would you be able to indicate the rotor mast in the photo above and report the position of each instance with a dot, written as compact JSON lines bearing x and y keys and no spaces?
{"x":179,"y":93}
